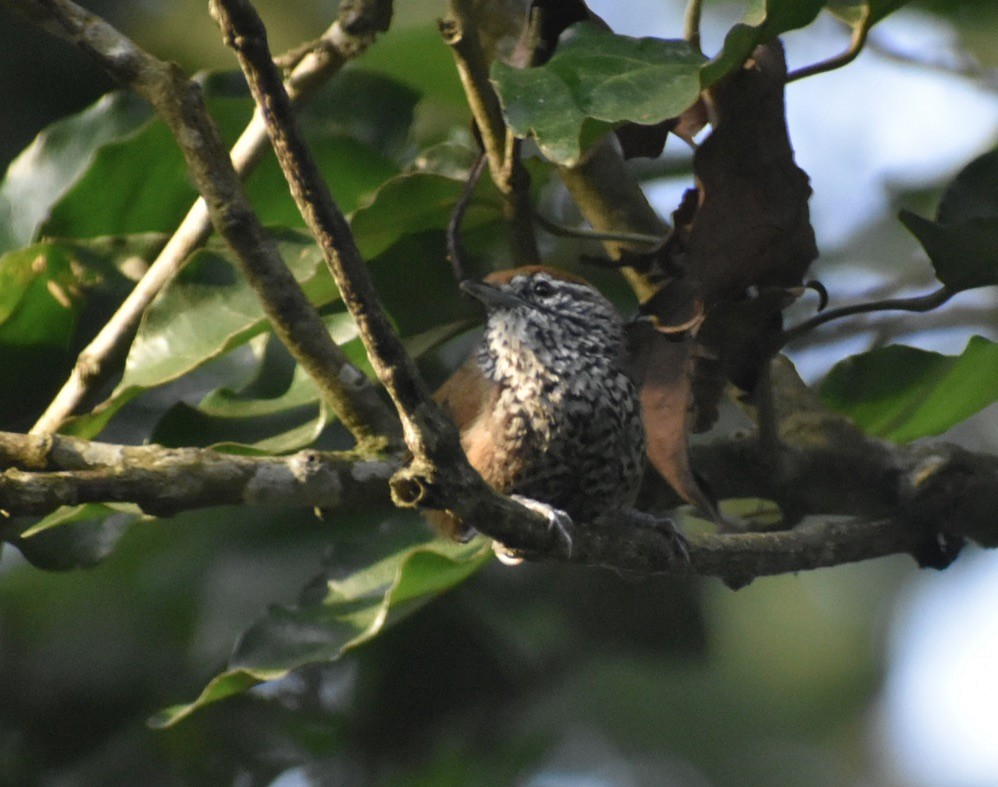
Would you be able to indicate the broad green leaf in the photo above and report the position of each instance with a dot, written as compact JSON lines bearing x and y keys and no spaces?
{"x":973,"y":193}
{"x":258,"y":419}
{"x":350,"y":168}
{"x":763,"y":21}
{"x":963,"y":240}
{"x":594,"y":80}
{"x":43,"y":285}
{"x":902,"y":393}
{"x":374,"y":109}
{"x":57,"y":158}
{"x":206,"y":311}
{"x":281,"y":431}
{"x":75,"y":537}
{"x":210,"y":308}
{"x":262,"y":420}
{"x":374,"y":582}
{"x":113,"y":169}
{"x":411,"y":204}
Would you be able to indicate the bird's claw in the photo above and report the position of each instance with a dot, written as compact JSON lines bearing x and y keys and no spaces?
{"x":679,"y":543}
{"x":558,"y":521}
{"x":665,"y":526}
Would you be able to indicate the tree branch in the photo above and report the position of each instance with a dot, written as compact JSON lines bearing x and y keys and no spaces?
{"x":876,"y":498}
{"x":44,"y":472}
{"x":501,"y":148}
{"x":179,"y":103}
{"x":439,"y":475}
{"x":611,"y":201}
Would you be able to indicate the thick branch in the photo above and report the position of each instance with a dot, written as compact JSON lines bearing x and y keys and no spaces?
{"x":879,"y":499}
{"x":179,"y":103}
{"x":44,"y":472}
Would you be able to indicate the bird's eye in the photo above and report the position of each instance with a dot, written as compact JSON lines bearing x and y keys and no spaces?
{"x":542,"y":288}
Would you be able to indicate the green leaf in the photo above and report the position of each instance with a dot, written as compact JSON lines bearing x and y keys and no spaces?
{"x":114,"y":170}
{"x":264,"y":419}
{"x":763,"y":21}
{"x":350,"y":168}
{"x":902,"y":393}
{"x":411,"y":204}
{"x":42,"y":286}
{"x":58,"y":157}
{"x":379,"y":577}
{"x":963,"y":240}
{"x":594,"y":80}
{"x":206,"y":311}
{"x":75,"y":537}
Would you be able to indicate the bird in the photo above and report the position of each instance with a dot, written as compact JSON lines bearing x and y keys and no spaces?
{"x":545,"y":407}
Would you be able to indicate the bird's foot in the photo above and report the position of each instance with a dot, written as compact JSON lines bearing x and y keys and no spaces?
{"x":662,"y":524}
{"x":558,"y":521}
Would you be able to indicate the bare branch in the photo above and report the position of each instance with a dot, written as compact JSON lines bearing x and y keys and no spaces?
{"x":45,"y":472}
{"x":179,"y":103}
{"x":878,"y":499}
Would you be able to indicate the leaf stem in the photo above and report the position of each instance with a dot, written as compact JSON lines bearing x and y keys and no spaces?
{"x":691,"y":24}
{"x":856,"y":43}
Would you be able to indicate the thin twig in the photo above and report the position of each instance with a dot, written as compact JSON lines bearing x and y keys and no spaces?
{"x":455,"y":249}
{"x":179,"y":102}
{"x":653,"y":241}
{"x":921,"y":303}
{"x":859,"y":33}
{"x":316,"y":64}
{"x":691,"y":23}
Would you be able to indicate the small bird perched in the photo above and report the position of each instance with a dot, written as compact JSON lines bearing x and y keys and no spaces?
{"x":546,"y":410}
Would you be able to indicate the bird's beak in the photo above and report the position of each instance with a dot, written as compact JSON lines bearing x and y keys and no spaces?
{"x":492,"y":297}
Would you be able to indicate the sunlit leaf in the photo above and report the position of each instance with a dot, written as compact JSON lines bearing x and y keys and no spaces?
{"x":902,"y":393}
{"x":411,"y":204}
{"x":763,"y":21}
{"x":43,"y":285}
{"x":597,"y":79}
